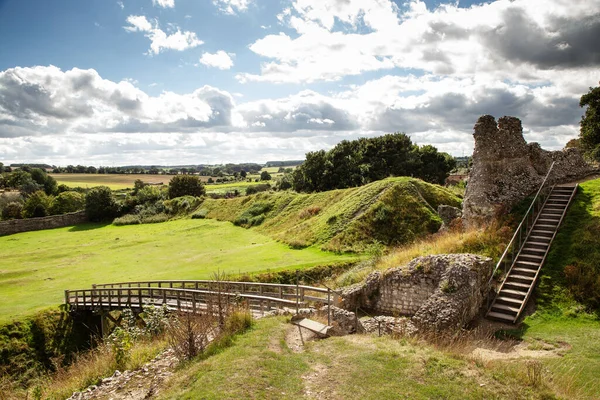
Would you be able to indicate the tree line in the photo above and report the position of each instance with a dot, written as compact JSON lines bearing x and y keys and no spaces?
{"x":358,"y":162}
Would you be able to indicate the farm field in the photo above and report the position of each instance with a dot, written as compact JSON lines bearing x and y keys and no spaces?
{"x":36,"y":267}
{"x":125,"y":181}
{"x":113,"y":181}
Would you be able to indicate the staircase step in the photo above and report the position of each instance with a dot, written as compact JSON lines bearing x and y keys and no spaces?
{"x":531,"y":256}
{"x":501,"y":316}
{"x":524,"y":270}
{"x":549,"y":221}
{"x":545,"y":227}
{"x":509,"y":300}
{"x":505,"y":308}
{"x":517,"y":284}
{"x":534,"y":243}
{"x":520,"y":277}
{"x":522,"y":262}
{"x":513,"y":292}
{"x":532,"y":249}
{"x":538,"y":239}
{"x":553,"y":211}
{"x":314,"y":326}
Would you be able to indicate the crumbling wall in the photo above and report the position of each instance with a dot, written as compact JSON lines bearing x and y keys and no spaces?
{"x":438,"y":292}
{"x":506,"y":169}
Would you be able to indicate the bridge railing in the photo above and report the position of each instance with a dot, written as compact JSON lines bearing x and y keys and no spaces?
{"x":301,"y":293}
{"x":176,"y":299}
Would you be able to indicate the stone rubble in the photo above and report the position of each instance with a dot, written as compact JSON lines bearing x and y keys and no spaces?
{"x":140,"y":384}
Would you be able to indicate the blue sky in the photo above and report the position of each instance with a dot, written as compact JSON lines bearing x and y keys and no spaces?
{"x":163,"y":81}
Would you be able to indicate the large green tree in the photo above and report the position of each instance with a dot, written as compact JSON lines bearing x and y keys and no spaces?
{"x":100,"y":204}
{"x":185,"y":185}
{"x":590,"y":123}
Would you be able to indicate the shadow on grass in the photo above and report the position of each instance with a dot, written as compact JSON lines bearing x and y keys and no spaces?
{"x":88,"y":226}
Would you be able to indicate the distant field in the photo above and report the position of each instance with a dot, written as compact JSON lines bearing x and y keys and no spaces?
{"x":36,"y":267}
{"x":113,"y":181}
{"x":126,"y":181}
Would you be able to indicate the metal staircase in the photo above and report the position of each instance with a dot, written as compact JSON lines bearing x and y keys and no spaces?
{"x":528,"y":249}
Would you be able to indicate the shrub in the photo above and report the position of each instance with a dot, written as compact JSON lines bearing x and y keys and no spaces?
{"x":12,"y":210}
{"x":185,"y":185}
{"x":182,"y":205}
{"x":200,"y":214}
{"x":257,"y":188}
{"x":265,"y":176}
{"x":309,"y":212}
{"x":148,"y":194}
{"x":67,"y":202}
{"x":254,"y":215}
{"x":100,"y":204}
{"x":37,"y":205}
{"x":155,"y":219}
{"x":129,"y":219}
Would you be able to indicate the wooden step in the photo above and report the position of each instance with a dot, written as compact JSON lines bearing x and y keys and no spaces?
{"x":553,"y":211}
{"x":517,"y":284}
{"x":517,"y":277}
{"x":505,"y":308}
{"x":532,"y":249}
{"x":501,"y":316}
{"x":538,"y":239}
{"x":512,"y":292}
{"x":524,"y":270}
{"x":509,"y":300}
{"x":314,"y":326}
{"x":534,"y":243}
{"x":526,"y":263}
{"x":531,"y":256}
{"x":545,"y":227}
{"x":547,"y":220}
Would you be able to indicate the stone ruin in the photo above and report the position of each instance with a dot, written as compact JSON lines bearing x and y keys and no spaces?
{"x":506,"y":169}
{"x":437,"y":292}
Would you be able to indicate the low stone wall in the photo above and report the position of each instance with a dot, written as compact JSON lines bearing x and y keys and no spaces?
{"x":438,"y":292}
{"x":37,"y":224}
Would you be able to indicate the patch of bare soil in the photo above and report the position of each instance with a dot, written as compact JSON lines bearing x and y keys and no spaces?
{"x":538,"y":349}
{"x":296,"y":337}
{"x":314,"y":387}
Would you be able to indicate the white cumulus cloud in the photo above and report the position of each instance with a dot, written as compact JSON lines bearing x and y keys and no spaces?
{"x":159,"y":39}
{"x":164,"y":3}
{"x":232,"y":6}
{"x":220,"y":60}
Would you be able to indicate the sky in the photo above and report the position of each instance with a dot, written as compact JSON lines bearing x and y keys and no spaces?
{"x":173,"y":82}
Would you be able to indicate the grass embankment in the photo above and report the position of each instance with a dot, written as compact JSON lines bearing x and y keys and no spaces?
{"x":387,"y":212}
{"x":261,"y":365}
{"x":36,"y":267}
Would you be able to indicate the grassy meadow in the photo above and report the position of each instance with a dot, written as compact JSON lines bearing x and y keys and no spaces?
{"x":36,"y":267}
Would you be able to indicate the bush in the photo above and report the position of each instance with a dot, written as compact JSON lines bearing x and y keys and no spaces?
{"x":265,"y":176}
{"x":185,"y":185}
{"x":182,"y":205}
{"x":200,"y":214}
{"x":67,"y":202}
{"x":148,"y":194}
{"x":37,"y":205}
{"x":257,"y":188}
{"x":155,"y":219}
{"x":129,"y":219}
{"x":254,"y":215}
{"x":12,"y":210}
{"x":100,"y":204}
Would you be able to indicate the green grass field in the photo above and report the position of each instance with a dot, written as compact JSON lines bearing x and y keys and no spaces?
{"x":36,"y":267}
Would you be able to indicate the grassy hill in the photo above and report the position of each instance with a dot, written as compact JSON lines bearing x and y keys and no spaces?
{"x":389,"y":212}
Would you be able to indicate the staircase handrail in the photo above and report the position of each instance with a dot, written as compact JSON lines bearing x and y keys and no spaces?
{"x":524,"y":222}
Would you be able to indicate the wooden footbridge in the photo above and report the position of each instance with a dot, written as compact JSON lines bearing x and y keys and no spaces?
{"x":196,"y":296}
{"x":527,"y":251}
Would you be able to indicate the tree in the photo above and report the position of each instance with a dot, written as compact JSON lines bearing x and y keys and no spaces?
{"x":243,"y":174}
{"x":590,"y":123}
{"x":67,"y":202}
{"x":265,"y":176}
{"x":185,"y":185}
{"x":18,"y":179}
{"x":37,"y":205}
{"x":100,"y":205}
{"x":1,"y":167}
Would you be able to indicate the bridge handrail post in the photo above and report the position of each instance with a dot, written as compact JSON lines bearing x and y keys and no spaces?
{"x":164,"y":296}
{"x":328,"y":306}
{"x":297,"y":291}
{"x":140,"y":297}
{"x":67,"y":299}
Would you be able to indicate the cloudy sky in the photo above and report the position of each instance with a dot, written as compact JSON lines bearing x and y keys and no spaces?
{"x":107,"y":82}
